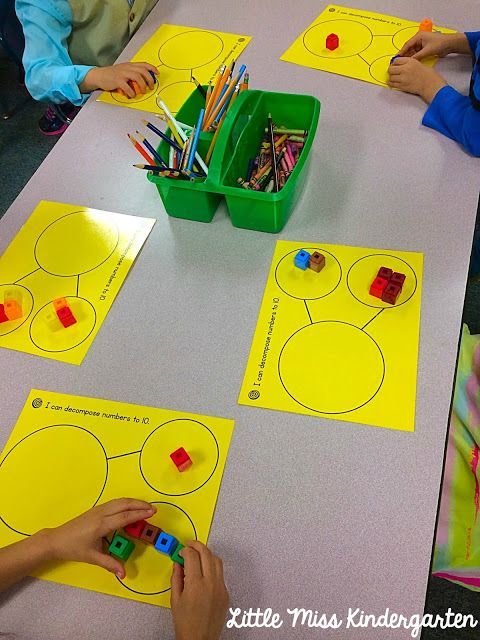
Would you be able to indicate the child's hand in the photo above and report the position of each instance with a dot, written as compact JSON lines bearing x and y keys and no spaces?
{"x":425,"y":45}
{"x":199,"y":595}
{"x":119,"y":76}
{"x":81,"y":539}
{"x":410,"y":75}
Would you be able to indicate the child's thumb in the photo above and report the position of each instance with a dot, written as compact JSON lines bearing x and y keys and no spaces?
{"x":110,"y":564}
{"x":177,"y":581}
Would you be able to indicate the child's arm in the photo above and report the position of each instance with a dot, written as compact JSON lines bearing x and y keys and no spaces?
{"x":199,"y":595}
{"x":80,"y":540}
{"x":50,"y":74}
{"x":451,"y":113}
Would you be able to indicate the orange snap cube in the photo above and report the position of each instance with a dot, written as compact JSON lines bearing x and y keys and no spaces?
{"x":426,"y":25}
{"x":60,"y":303}
{"x":135,"y":86}
{"x":12,"y":309}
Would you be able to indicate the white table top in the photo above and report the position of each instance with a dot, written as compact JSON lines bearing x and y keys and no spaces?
{"x":314,"y":513}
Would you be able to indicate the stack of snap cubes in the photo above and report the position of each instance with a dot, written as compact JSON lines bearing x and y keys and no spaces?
{"x":163,"y":542}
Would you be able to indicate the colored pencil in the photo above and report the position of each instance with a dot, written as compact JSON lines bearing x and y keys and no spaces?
{"x":209,"y":93}
{"x":196,"y":137}
{"x":216,"y":90}
{"x":182,"y":135}
{"x":213,"y":142}
{"x":220,"y":104}
{"x":274,"y":155}
{"x":152,"y":150}
{"x":200,"y":88}
{"x":155,"y":168}
{"x":185,"y":127}
{"x":140,"y":150}
{"x":162,"y":135}
{"x":244,"y":84}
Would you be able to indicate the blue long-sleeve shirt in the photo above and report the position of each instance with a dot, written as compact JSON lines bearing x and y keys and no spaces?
{"x":458,"y":116}
{"x":50,"y":74}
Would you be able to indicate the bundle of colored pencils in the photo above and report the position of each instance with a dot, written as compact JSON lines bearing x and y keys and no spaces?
{"x":279,"y":153}
{"x":184,"y":161}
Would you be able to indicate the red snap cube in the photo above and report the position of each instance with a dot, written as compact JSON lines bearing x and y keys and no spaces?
{"x":66,"y":316}
{"x":3,"y":315}
{"x":135,"y":528}
{"x":378,"y":286}
{"x":181,"y":459}
{"x":332,"y":42}
{"x":385,"y":272}
{"x":398,"y":278}
{"x":391,"y":293}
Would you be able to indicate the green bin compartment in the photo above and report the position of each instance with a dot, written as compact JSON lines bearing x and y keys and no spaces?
{"x":238,"y":141}
{"x":183,"y":199}
{"x":255,"y":209}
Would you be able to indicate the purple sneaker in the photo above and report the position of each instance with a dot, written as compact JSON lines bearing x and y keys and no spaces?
{"x":56,"y":118}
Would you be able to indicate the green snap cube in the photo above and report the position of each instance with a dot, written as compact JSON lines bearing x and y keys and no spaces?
{"x":175,"y":557}
{"x":121,"y":547}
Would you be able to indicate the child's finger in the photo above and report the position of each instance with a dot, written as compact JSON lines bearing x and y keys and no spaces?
{"x":149,"y":67}
{"x":121,"y":520}
{"x":192,"y":565}
{"x":148,"y":78}
{"x":109,"y":563}
{"x":206,"y":557}
{"x":126,"y":504}
{"x":127,"y":89}
{"x":138,"y":78}
{"x":177,"y":580}
{"x":424,"y":53}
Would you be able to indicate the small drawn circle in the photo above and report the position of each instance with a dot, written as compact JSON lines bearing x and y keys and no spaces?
{"x":56,"y":473}
{"x":241,"y":40}
{"x":379,"y":69}
{"x":37,"y":403}
{"x":76,"y":243}
{"x":331,"y":367}
{"x":27,"y":307}
{"x":174,"y":95}
{"x":401,"y":37}
{"x":157,"y":468}
{"x":308,"y":285}
{"x":363,"y":272}
{"x":177,"y":52}
{"x":149,"y":571}
{"x":254,"y":395}
{"x":354,"y":37}
{"x":48,"y":334}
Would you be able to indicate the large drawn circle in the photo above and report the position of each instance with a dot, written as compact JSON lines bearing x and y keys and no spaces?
{"x":148,"y":570}
{"x":118,"y":97}
{"x":51,"y":476}
{"x":308,"y":285}
{"x":157,"y":468}
{"x":379,"y":69}
{"x":354,"y":37}
{"x":54,"y":337}
{"x":331,"y":367}
{"x":27,"y":307}
{"x":362,"y":273}
{"x":175,"y":94}
{"x":76,"y":243}
{"x":178,"y":53}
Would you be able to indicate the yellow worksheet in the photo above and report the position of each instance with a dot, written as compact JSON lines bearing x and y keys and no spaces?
{"x":180,"y":54}
{"x":67,"y":454}
{"x":367,"y":43}
{"x":325,"y":347}
{"x":69,"y":251}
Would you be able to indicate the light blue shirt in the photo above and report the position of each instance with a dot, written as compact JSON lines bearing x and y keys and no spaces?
{"x":50,"y":75}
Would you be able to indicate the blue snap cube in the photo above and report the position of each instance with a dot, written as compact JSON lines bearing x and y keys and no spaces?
{"x":393,"y":59}
{"x":302,"y":260}
{"x":166,"y":543}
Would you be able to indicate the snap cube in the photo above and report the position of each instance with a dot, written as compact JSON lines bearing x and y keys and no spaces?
{"x":166,"y":543}
{"x":12,"y":309}
{"x":398,"y":278}
{"x":3,"y":315}
{"x":332,"y":42}
{"x":135,"y":528}
{"x":121,"y":547}
{"x":302,"y":260}
{"x":66,"y":316}
{"x":150,"y":533}
{"x":176,"y":557}
{"x":60,"y":303}
{"x":391,"y":293}
{"x":385,"y":272}
{"x":378,"y":287}
{"x":181,"y":459}
{"x":317,"y":261}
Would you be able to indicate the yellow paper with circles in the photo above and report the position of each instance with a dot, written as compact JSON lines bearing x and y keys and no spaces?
{"x":325,"y":347}
{"x":367,"y":43}
{"x":67,"y":454}
{"x":180,"y":54}
{"x":72,"y":252}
